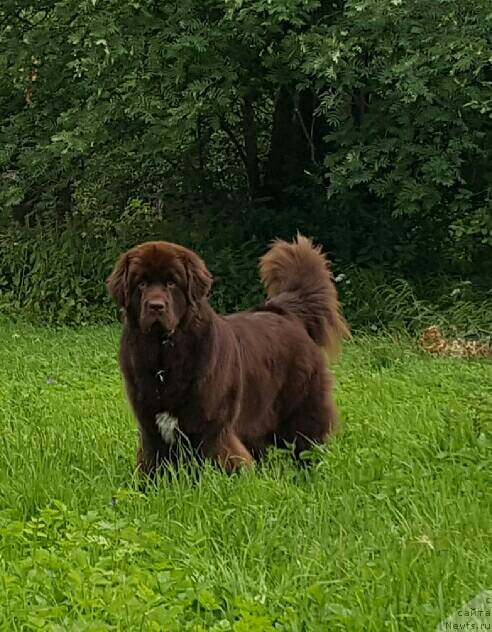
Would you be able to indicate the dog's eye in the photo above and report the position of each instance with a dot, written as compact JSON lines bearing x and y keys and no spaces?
{"x":171,"y":283}
{"x":142,"y":285}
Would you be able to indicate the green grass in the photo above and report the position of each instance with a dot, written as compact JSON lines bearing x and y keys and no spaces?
{"x":390,"y":529}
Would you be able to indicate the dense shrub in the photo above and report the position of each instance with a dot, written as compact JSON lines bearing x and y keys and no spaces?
{"x":56,"y":273}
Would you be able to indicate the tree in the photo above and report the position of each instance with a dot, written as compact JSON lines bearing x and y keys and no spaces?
{"x":372,"y":120}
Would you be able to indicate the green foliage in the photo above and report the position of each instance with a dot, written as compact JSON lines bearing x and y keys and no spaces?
{"x":374,"y":118}
{"x":385,"y":530}
{"x":407,"y":87}
{"x":377,"y":300}
{"x":95,"y":570}
{"x":56,"y":273}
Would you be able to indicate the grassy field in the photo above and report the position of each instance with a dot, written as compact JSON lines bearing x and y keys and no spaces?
{"x":390,"y":529}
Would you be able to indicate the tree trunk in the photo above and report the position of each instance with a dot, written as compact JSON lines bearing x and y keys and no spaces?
{"x":250,"y":146}
{"x":291,"y":146}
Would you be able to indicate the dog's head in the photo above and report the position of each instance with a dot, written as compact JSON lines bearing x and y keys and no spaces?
{"x":157,"y":283}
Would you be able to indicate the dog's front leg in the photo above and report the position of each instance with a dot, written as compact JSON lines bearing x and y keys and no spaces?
{"x":228,"y":450}
{"x":151,"y":452}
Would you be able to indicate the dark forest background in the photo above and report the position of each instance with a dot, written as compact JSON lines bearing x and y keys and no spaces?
{"x":223,"y":124}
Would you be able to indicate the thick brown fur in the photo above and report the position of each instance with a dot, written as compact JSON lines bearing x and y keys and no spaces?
{"x":229,"y":385}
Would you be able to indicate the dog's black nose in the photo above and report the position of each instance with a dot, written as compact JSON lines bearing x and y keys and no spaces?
{"x":156,"y":306}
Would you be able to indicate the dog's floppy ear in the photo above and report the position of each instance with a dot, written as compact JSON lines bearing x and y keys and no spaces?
{"x":198,"y":278}
{"x":117,"y":282}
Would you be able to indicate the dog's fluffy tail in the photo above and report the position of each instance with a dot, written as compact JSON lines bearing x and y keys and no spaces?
{"x":298,"y":281}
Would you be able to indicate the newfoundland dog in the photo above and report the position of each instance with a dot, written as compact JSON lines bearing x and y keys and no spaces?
{"x":229,"y":385}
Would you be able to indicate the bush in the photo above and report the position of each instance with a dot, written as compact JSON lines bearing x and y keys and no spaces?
{"x":375,"y":300}
{"x":55,"y":272}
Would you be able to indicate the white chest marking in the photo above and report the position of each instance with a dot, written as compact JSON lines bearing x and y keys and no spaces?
{"x":167,"y":425}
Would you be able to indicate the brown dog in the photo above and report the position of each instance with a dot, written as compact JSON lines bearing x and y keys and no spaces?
{"x":231,"y":385}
